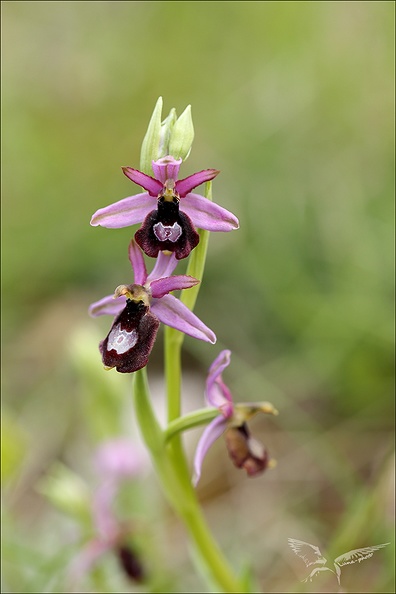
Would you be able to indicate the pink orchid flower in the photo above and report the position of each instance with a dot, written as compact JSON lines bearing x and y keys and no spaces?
{"x":245,"y":451}
{"x":140,"y":307}
{"x":117,"y":461}
{"x":168,"y":210}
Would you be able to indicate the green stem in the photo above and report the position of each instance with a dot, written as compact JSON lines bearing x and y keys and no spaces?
{"x":173,"y":343}
{"x":149,"y":426}
{"x":189,"y":421}
{"x":187,"y":506}
{"x":172,"y":471}
{"x":209,"y":551}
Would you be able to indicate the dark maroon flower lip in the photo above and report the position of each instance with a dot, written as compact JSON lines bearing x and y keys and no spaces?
{"x":245,"y":451}
{"x":167,"y":229}
{"x":128,"y":345}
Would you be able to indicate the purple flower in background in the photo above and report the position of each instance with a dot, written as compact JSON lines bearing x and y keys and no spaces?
{"x":140,"y":307}
{"x":117,"y":461}
{"x":245,"y":451}
{"x":168,"y":210}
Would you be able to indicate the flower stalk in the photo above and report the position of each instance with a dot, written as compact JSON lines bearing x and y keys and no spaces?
{"x":190,"y":421}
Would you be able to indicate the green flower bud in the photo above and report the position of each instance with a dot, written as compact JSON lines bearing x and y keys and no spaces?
{"x":151,"y":140}
{"x":165,"y":134}
{"x":182,"y":136}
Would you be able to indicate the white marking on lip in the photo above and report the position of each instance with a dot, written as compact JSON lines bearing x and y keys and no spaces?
{"x":167,"y":232}
{"x":121,"y":340}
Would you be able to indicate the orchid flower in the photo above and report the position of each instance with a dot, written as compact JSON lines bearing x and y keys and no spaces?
{"x":117,"y":461}
{"x":168,"y":210}
{"x":132,"y":335}
{"x":245,"y":451}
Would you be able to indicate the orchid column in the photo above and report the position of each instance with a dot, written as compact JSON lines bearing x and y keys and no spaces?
{"x":175,"y":224}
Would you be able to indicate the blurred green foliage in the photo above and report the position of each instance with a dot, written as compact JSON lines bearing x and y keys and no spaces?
{"x":293,"y":102}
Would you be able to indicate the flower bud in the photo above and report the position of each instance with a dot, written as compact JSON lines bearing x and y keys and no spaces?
{"x":165,"y":134}
{"x":156,"y":142}
{"x":151,"y":141}
{"x":182,"y":135}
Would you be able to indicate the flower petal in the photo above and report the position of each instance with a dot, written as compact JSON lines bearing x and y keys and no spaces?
{"x":166,"y":168}
{"x":184,"y":186}
{"x":163,"y":286}
{"x":137,"y":260}
{"x":125,"y":212}
{"x":85,"y":560}
{"x":107,"y":306}
{"x":174,"y":313}
{"x":105,"y":522}
{"x":153,"y":186}
{"x":206,"y":214}
{"x":208,"y":437}
{"x":217,"y":393}
{"x":221,"y":362}
{"x":164,"y":266}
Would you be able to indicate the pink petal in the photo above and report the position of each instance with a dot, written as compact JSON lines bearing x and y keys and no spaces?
{"x":206,"y":214}
{"x":221,"y":362}
{"x":217,"y":393}
{"x":153,"y":186}
{"x":208,"y":437}
{"x":164,"y":266}
{"x":184,"y":186}
{"x":166,"y":168}
{"x":106,"y":523}
{"x":124,"y":213}
{"x":107,"y":306}
{"x":174,"y":313}
{"x":163,"y":286}
{"x":86,"y":559}
{"x":137,"y":260}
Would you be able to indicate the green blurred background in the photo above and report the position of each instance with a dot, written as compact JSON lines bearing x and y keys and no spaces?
{"x":293,"y":102}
